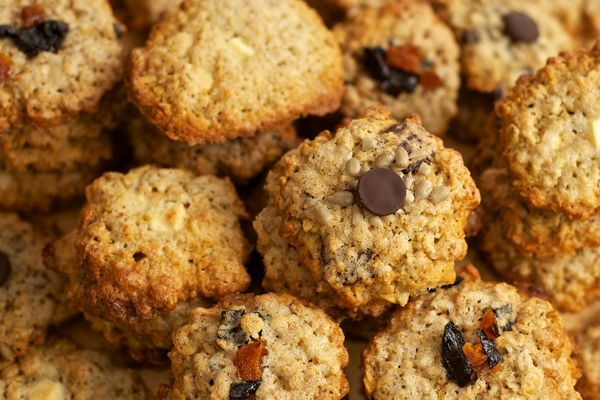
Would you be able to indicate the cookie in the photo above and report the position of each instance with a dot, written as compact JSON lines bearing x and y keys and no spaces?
{"x":150,"y":239}
{"x":501,"y":40}
{"x":61,"y":370}
{"x":589,"y":361}
{"x":265,"y":347}
{"x":474,"y":340}
{"x":59,"y":57}
{"x":402,"y":56}
{"x":30,"y":296}
{"x":535,"y":231}
{"x":202,"y":75}
{"x":550,"y":134}
{"x":31,"y":190}
{"x":241,"y":159}
{"x":142,"y":14}
{"x":571,"y":281}
{"x":376,"y":212}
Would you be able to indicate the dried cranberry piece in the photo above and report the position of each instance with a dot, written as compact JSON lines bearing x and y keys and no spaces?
{"x":45,"y":36}
{"x":32,"y":15}
{"x":457,"y":365}
{"x":489,"y":348}
{"x":406,"y":58}
{"x":430,"y":80}
{"x":243,"y":390}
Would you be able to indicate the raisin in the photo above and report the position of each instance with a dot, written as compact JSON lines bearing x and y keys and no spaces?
{"x":489,"y":348}
{"x":45,"y":36}
{"x":457,"y":365}
{"x":32,"y":15}
{"x":489,"y":325}
{"x":375,"y":62}
{"x":243,"y":390}
{"x":4,"y":67}
{"x":406,"y":58}
{"x":248,"y":360}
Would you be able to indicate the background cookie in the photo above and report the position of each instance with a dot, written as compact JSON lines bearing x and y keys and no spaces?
{"x":268,"y":346}
{"x":216,"y":70}
{"x":422,"y":353}
{"x":589,"y":361}
{"x":550,"y":134}
{"x":79,"y":65}
{"x":60,"y":370}
{"x":31,"y":297}
{"x":402,"y":56}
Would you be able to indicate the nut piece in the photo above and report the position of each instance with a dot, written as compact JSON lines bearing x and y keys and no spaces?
{"x":384,"y":160}
{"x":401,"y":158}
{"x":241,"y":47}
{"x":46,"y":389}
{"x":353,"y":167}
{"x":248,"y":360}
{"x":424,"y":169}
{"x":322,"y":214}
{"x":343,"y":199}
{"x":439,"y":194}
{"x":422,"y":190}
{"x":368,"y":144}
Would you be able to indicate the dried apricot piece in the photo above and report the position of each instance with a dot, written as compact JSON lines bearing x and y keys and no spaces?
{"x":406,"y":57}
{"x":475,"y":354}
{"x":430,"y":80}
{"x":489,"y":325}
{"x":248,"y":360}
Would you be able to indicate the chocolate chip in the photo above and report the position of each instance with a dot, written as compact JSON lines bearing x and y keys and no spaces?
{"x":5,"y":268}
{"x":396,"y":128}
{"x":375,"y":62}
{"x":138,"y":256}
{"x":457,"y":364}
{"x":489,"y":348}
{"x":381,"y":191}
{"x":520,"y":27}
{"x":243,"y":390}
{"x":44,"y":36}
{"x":457,"y":282}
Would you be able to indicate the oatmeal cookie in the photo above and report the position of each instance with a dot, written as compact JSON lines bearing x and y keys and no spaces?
{"x":76,"y":57}
{"x":589,"y":361}
{"x":219,"y":69}
{"x":61,"y":370}
{"x":376,"y":212}
{"x":550,"y":134}
{"x":471,"y":341}
{"x":31,"y":297}
{"x":150,"y":239}
{"x":265,"y":347}
{"x":402,"y":56}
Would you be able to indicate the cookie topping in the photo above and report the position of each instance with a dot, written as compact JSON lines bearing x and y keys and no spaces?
{"x":406,"y":57}
{"x":520,"y":27}
{"x":489,"y":325}
{"x":4,"y":67}
{"x":5,"y":268}
{"x":243,"y":390}
{"x":32,"y":15}
{"x":44,"y":36}
{"x":230,"y":330}
{"x":489,"y":348}
{"x":430,"y":80}
{"x":248,"y":360}
{"x":457,"y":364}
{"x":381,"y":191}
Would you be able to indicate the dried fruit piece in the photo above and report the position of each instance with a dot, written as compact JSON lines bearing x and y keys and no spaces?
{"x":229,"y":329}
{"x":430,"y":80}
{"x":475,"y":354}
{"x":243,"y":390}
{"x":406,"y":57}
{"x":32,"y":15}
{"x":458,"y":367}
{"x":248,"y":360}
{"x":4,"y":67}
{"x":376,"y":63}
{"x":45,"y":36}
{"x":489,"y":348}
{"x":489,"y":324}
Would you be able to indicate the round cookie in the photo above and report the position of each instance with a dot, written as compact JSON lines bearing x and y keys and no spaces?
{"x":336,"y":199}
{"x":571,"y":281}
{"x":550,"y":134}
{"x":402,"y":56}
{"x":152,"y":238}
{"x":537,"y":232}
{"x":142,"y":14}
{"x":216,"y":69}
{"x":31,"y":297}
{"x":264,"y":347}
{"x":501,"y":40}
{"x":241,"y":159}
{"x":60,"y":370}
{"x":80,"y":60}
{"x":432,"y":348}
{"x":589,"y":361}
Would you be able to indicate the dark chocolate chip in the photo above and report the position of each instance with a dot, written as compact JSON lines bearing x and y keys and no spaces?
{"x":5,"y":268}
{"x":413,"y":167}
{"x":520,"y":27}
{"x":138,"y":256}
{"x":489,"y":348}
{"x":243,"y":390}
{"x":457,"y":364}
{"x":375,"y":62}
{"x":396,"y":128}
{"x":45,"y":36}
{"x":381,"y":191}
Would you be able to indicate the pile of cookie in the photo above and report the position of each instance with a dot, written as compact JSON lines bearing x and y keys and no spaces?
{"x":214,"y":186}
